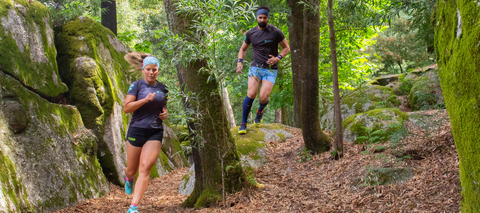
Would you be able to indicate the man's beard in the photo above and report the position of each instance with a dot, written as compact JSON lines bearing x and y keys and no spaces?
{"x":262,"y":24}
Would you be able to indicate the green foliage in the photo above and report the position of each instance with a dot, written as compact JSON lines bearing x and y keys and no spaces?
{"x":305,"y":155}
{"x":398,"y":45}
{"x":405,"y":86}
{"x":372,"y":136}
{"x":65,"y":10}
{"x":419,"y":13}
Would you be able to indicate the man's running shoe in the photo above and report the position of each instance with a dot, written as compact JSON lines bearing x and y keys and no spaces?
{"x":128,"y":187}
{"x":242,"y":129}
{"x":258,"y":118}
{"x":132,"y":209}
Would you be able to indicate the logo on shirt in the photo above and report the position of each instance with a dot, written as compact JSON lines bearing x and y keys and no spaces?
{"x":267,"y":41}
{"x":131,"y":87}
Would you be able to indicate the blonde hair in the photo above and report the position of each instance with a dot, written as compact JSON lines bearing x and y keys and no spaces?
{"x":135,"y":59}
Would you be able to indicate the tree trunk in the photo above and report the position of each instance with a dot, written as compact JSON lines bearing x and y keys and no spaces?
{"x":313,"y":136}
{"x":338,"y":142}
{"x":295,"y":30}
{"x":228,"y":107}
{"x":213,"y":145}
{"x":284,"y":115}
{"x":400,"y":65}
{"x":278,"y":116}
{"x":109,"y":15}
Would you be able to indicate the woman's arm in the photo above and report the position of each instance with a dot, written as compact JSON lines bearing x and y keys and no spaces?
{"x":131,"y":104}
{"x":164,"y":114}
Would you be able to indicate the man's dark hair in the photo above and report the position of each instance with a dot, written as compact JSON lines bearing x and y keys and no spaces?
{"x":264,"y":7}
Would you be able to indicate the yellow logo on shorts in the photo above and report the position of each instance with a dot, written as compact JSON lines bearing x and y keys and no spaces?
{"x":131,"y":139}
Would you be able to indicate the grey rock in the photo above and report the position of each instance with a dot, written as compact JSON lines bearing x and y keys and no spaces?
{"x":359,"y":101}
{"x":188,"y":182}
{"x":275,"y":135}
{"x":247,"y":161}
{"x":21,"y":9}
{"x":28,"y":43}
{"x":16,"y":115}
{"x":52,"y":163}
{"x":117,"y":44}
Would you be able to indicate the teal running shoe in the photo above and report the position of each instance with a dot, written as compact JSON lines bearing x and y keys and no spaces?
{"x":133,"y":209}
{"x":259,"y":118}
{"x":242,"y":129}
{"x":128,"y":187}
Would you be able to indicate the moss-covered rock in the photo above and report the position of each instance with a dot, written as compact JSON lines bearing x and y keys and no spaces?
{"x":27,"y":50}
{"x":359,"y":101}
{"x":373,"y":126}
{"x":385,"y":80}
{"x":49,"y":164}
{"x":457,"y":47}
{"x":172,"y":149}
{"x":251,"y":146}
{"x":91,"y":62}
{"x":426,"y":92}
{"x":188,"y":182}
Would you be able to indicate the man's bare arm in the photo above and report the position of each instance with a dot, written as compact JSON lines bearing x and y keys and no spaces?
{"x":285,"y":50}
{"x":241,"y":54}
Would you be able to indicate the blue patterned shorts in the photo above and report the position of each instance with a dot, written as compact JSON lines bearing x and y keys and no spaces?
{"x":263,"y":74}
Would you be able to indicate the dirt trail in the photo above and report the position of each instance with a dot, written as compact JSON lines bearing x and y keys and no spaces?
{"x":322,"y":184}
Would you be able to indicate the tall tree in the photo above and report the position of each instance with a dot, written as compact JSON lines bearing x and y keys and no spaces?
{"x":213,"y":146}
{"x":304,"y":36}
{"x":338,"y":142}
{"x":109,"y":15}
{"x":295,"y":30}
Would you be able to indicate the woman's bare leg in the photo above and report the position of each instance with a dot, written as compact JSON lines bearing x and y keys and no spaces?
{"x":133,"y":157}
{"x":148,"y":158}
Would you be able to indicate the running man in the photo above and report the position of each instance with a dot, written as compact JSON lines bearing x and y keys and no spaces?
{"x":263,"y":69}
{"x":147,"y":100}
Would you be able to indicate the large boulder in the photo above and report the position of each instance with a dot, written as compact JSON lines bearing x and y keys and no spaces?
{"x":457,"y":43}
{"x":251,"y":146}
{"x":360,"y":100}
{"x":373,"y":126}
{"x":47,"y":157}
{"x":27,"y":49}
{"x":426,"y":92}
{"x":90,"y":60}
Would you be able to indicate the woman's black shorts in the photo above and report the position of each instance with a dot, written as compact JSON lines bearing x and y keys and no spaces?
{"x":139,"y":136}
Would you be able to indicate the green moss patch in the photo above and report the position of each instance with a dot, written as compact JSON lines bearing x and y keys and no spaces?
{"x":247,"y":144}
{"x":458,"y":57}
{"x":96,"y":75}
{"x":41,"y":76}
{"x":375,"y":125}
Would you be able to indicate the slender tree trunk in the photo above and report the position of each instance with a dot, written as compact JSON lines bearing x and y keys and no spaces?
{"x":228,"y":107}
{"x":313,"y":136}
{"x":278,"y":116}
{"x":284,"y":115}
{"x":109,"y":15}
{"x":400,"y":65}
{"x":338,"y":142}
{"x":213,"y":143}
{"x":295,"y":30}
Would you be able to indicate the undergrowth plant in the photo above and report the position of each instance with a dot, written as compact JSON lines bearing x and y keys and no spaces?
{"x":305,"y":155}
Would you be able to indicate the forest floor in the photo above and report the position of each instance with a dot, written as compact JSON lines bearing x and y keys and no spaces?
{"x":323,"y":184}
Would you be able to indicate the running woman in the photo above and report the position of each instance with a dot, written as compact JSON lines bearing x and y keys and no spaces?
{"x":147,"y":99}
{"x":263,"y":69}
